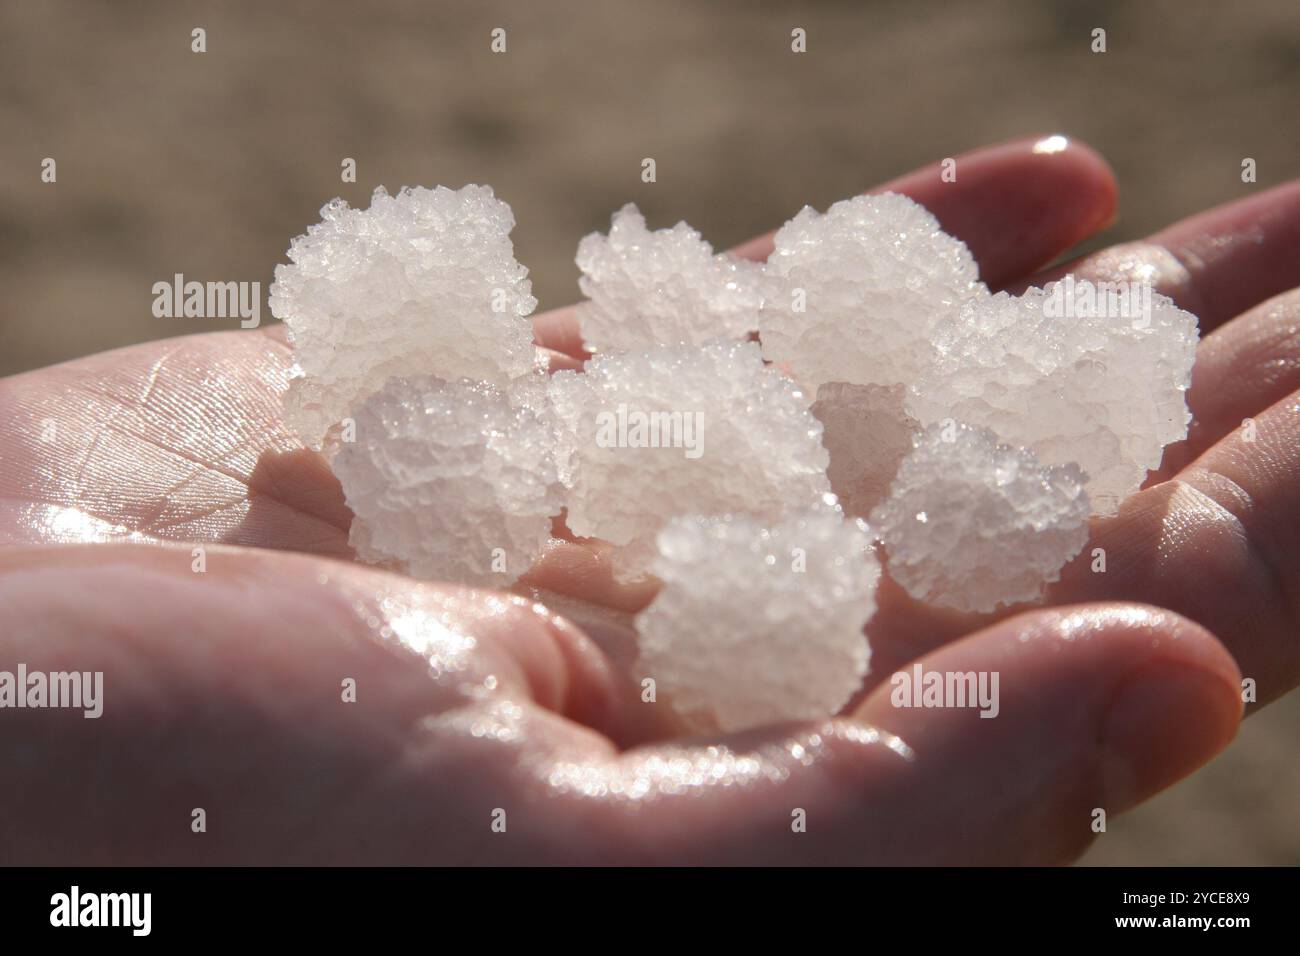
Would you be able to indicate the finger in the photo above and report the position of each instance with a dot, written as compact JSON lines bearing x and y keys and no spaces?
{"x":1215,"y":264}
{"x":1098,"y":707}
{"x":558,"y":330}
{"x":224,"y":690}
{"x":557,"y":361}
{"x":1017,"y":206}
{"x":1219,"y":543}
{"x":1241,"y":369}
{"x":584,"y":569}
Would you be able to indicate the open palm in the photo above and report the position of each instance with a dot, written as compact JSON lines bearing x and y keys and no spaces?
{"x":223,"y":687}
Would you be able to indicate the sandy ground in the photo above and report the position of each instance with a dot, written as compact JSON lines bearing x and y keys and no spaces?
{"x":171,"y":161}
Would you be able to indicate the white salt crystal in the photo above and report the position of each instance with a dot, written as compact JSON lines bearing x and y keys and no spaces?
{"x":450,"y":480}
{"x":867,"y":435}
{"x":682,"y":429}
{"x":1107,"y":392}
{"x":853,"y":295}
{"x":411,"y":317}
{"x":759,"y":623}
{"x":970,"y":523}
{"x":662,"y":288}
{"x":424,"y":282}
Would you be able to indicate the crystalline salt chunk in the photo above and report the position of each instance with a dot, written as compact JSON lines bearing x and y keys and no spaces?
{"x":678,"y":430}
{"x":662,"y":288}
{"x":450,"y":480}
{"x":411,"y":317}
{"x":759,"y":623}
{"x":970,"y":523}
{"x":424,"y":282}
{"x":1105,"y":392}
{"x":852,"y":295}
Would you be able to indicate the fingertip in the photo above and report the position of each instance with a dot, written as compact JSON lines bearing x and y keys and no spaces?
{"x":1026,"y":202}
{"x":1165,"y":721}
{"x":1093,"y":707}
{"x":558,"y":330}
{"x":1095,"y":188}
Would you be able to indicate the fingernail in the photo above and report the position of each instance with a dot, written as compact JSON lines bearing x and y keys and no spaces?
{"x":1166,"y":720}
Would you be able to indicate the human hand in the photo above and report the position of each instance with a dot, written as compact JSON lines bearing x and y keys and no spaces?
{"x":227,"y":686}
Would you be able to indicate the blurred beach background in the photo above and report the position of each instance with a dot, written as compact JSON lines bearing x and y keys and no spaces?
{"x":171,"y":161}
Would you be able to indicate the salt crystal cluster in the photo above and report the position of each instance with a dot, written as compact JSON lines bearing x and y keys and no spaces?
{"x":759,"y":622}
{"x":853,"y":295}
{"x":450,"y":480}
{"x":971,"y":523}
{"x":973,"y":428}
{"x":421,"y":283}
{"x":681,"y":429}
{"x":664,"y":287}
{"x":1104,"y":391}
